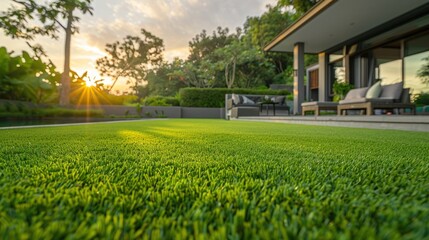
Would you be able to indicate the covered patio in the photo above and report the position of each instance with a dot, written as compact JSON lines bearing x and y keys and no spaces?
{"x":357,"y":42}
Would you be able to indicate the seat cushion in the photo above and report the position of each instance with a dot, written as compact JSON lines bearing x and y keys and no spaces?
{"x":279,"y":99}
{"x":236,"y":99}
{"x":392,"y":91}
{"x":247,"y":100}
{"x":356,"y":93}
{"x":320,"y":104}
{"x":353,"y":100}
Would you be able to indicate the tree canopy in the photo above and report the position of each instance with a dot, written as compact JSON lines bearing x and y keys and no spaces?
{"x":132,"y":58}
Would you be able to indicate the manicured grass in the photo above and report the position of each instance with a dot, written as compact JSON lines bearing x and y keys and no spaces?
{"x":213,"y":179}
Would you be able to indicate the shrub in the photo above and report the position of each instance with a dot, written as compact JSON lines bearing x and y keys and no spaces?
{"x":9,"y":107}
{"x":64,"y":112}
{"x":215,"y":97}
{"x":161,"y":101}
{"x":422,"y":99}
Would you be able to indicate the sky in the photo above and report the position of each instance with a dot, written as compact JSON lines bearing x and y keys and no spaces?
{"x":174,"y":21}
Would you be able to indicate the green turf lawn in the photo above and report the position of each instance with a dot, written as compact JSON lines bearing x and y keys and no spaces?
{"x":213,"y":179}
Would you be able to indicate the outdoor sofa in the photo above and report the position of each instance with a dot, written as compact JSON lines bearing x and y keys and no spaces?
{"x":392,"y":98}
{"x":239,"y":105}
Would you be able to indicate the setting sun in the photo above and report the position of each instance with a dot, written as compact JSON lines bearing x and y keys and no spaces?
{"x":89,"y":83}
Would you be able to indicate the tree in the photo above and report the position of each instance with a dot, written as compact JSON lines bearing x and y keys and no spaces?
{"x":202,"y":45}
{"x":131,"y":58}
{"x":262,"y":30}
{"x":230,"y":55}
{"x":423,"y":72}
{"x":202,"y":67}
{"x":52,"y":17}
{"x":244,"y":65}
{"x":167,"y":79}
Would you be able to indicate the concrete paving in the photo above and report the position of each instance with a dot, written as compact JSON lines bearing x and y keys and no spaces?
{"x":393,"y":122}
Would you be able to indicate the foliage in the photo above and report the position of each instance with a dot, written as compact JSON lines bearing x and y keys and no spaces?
{"x":212,"y":179}
{"x":300,"y":6}
{"x":215,"y":97}
{"x":24,"y":111}
{"x":166,"y":79}
{"x":422,"y":99}
{"x":201,"y":69}
{"x":243,"y":65}
{"x":131,"y":58}
{"x":423,"y":72}
{"x":161,"y":101}
{"x":27,"y":78}
{"x":225,"y":59}
{"x":340,"y":90}
{"x":64,"y":112}
{"x":203,"y":45}
{"x":50,"y":19}
{"x":261,"y":30}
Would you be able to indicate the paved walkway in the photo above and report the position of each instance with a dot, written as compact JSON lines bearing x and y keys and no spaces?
{"x":407,"y":123}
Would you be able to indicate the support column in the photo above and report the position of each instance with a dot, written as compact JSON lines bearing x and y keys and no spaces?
{"x":323,"y":77}
{"x":298,"y":77}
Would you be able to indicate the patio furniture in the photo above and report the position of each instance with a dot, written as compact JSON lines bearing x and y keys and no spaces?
{"x":238,"y":105}
{"x":388,"y":97}
{"x":267,"y":104}
{"x":316,"y":107}
{"x":244,"y":112}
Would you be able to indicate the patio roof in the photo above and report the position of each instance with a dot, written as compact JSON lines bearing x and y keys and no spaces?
{"x":333,"y":22}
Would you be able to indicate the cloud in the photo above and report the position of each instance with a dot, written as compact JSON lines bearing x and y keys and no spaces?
{"x":175,"y":21}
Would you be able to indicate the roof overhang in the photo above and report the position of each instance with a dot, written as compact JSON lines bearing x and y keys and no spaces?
{"x":332,"y":22}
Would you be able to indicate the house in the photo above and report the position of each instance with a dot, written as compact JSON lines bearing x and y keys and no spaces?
{"x":358,"y":42}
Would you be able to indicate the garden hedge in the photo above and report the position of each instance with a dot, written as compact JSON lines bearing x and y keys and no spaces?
{"x":215,"y":97}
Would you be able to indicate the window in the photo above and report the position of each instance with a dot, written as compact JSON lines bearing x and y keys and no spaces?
{"x":416,"y":60}
{"x":388,"y":63}
{"x":337,"y":71}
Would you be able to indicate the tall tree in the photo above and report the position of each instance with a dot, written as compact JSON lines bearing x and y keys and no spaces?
{"x":131,"y":58}
{"x":202,"y":45}
{"x":51,"y":18}
{"x":263,"y":29}
{"x":201,"y":68}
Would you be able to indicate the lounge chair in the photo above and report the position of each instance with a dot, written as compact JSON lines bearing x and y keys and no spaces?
{"x":388,"y":97}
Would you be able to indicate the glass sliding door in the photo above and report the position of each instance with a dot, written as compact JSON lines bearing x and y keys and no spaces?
{"x":416,"y":65}
{"x":388,"y":64}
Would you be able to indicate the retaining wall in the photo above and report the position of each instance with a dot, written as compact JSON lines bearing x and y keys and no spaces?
{"x":147,"y":111}
{"x":158,"y":111}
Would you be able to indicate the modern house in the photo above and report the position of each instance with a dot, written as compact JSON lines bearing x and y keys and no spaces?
{"x":359,"y":42}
